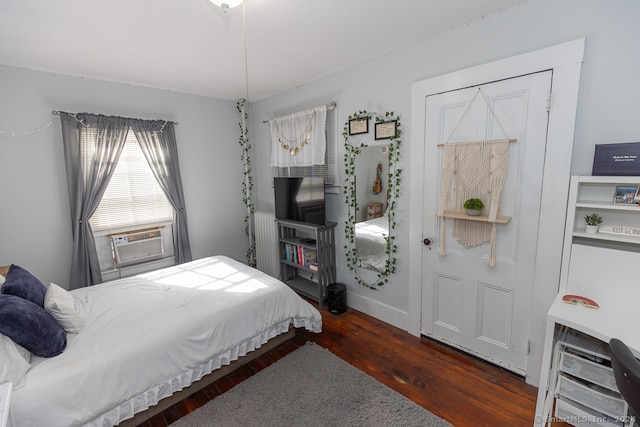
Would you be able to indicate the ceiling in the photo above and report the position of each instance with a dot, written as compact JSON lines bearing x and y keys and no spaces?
{"x":191,"y":46}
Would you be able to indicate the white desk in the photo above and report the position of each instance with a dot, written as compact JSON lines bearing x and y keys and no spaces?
{"x":611,"y":320}
{"x":5,"y":400}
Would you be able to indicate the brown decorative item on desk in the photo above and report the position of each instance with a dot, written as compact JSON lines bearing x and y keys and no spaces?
{"x":374,"y":210}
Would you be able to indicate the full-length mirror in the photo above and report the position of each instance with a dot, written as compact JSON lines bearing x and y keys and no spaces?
{"x":372,"y":187}
{"x":372,"y":221}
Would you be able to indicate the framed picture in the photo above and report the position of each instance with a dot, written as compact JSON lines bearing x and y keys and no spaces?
{"x":627,"y":194}
{"x":386,"y":130}
{"x":358,"y":126}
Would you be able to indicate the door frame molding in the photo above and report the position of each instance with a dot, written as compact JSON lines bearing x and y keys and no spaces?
{"x":565,"y":62}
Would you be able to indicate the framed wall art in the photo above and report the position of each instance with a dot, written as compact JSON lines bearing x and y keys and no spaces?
{"x":626,"y":194}
{"x":358,"y":126}
{"x":386,"y":130}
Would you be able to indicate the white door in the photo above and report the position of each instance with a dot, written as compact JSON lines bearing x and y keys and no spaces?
{"x":466,"y":303}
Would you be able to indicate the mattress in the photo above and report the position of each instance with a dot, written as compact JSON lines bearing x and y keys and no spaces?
{"x":151,"y":335}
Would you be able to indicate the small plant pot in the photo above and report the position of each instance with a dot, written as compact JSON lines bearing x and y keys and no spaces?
{"x":473,"y":212}
{"x":592,"y":229}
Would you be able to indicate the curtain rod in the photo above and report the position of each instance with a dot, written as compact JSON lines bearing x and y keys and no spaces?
{"x":329,"y":106}
{"x":57,"y":113}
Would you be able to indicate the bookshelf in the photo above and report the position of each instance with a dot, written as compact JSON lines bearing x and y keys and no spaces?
{"x":307,"y":257}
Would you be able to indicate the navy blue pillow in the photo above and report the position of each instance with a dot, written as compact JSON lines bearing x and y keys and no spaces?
{"x":21,"y":283}
{"x":31,"y":326}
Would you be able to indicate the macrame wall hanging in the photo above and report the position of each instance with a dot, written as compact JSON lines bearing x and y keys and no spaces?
{"x":473,"y":169}
{"x":299,"y":139}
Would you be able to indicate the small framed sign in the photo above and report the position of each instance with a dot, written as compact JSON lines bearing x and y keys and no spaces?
{"x":621,"y":159}
{"x":358,"y":126}
{"x":386,"y":130}
{"x":620,"y":230}
{"x":626,"y":194}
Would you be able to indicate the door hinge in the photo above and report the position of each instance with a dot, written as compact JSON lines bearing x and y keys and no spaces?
{"x":549,"y":103}
{"x":528,"y":347}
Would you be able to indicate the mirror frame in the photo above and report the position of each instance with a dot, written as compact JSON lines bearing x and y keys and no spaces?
{"x":393,"y":191}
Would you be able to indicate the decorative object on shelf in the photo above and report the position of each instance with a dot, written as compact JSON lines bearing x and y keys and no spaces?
{"x":626,"y":194}
{"x":473,"y":206}
{"x":574,"y":299}
{"x":619,"y":230}
{"x":392,"y":150}
{"x":377,"y":183}
{"x":622,"y":159}
{"x":247,"y":182}
{"x":592,"y":222}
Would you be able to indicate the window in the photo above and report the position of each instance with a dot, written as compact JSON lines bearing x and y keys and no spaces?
{"x":329,"y":170}
{"x":133,"y":196}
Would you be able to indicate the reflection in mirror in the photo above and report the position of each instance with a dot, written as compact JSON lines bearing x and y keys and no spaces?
{"x":372,"y":223}
{"x":371,"y":200}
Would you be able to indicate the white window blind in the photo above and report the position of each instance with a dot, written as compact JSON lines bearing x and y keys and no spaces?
{"x":329,"y":170}
{"x":133,"y":196}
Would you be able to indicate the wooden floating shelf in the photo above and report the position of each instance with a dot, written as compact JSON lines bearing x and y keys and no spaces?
{"x":480,"y":218}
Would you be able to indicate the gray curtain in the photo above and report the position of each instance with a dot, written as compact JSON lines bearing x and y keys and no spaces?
{"x":92,"y":147}
{"x":158,"y":142}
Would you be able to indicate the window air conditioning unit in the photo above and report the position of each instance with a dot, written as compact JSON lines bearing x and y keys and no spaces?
{"x":137,"y":246}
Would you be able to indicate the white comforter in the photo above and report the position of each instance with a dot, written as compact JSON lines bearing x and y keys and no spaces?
{"x":151,"y":335}
{"x":371,"y":243}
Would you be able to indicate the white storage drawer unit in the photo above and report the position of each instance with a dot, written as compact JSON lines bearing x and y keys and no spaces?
{"x":577,"y":415}
{"x":587,"y":370}
{"x":600,"y":399}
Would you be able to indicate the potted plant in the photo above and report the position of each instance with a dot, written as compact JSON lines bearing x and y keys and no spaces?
{"x":593,"y":221}
{"x":473,"y":207}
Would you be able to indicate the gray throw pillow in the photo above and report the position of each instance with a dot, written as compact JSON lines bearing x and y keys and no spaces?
{"x":31,"y":326}
{"x":21,"y":283}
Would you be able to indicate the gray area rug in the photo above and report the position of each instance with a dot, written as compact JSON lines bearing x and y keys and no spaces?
{"x":310,"y":387}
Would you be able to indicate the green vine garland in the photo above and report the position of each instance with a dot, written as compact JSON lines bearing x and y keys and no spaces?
{"x":393,"y":191}
{"x":247,"y":182}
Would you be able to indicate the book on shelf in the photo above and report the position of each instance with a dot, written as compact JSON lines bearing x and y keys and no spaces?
{"x":309,"y":257}
{"x":313,"y":266}
{"x":299,"y":254}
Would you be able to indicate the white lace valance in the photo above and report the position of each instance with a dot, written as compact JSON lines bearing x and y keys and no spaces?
{"x":299,"y":139}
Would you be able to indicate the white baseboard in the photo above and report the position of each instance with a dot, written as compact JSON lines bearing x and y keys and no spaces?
{"x":380,"y":311}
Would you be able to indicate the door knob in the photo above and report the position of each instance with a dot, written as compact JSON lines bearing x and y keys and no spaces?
{"x":428,"y":241}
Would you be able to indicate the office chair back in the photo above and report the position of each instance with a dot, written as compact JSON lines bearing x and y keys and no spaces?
{"x":626,"y":370}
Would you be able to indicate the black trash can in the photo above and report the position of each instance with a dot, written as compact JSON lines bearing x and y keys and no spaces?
{"x":337,"y":298}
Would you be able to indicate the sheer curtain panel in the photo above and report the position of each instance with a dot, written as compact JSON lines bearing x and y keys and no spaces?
{"x":158,"y":142}
{"x":299,"y":139}
{"x":92,"y":146}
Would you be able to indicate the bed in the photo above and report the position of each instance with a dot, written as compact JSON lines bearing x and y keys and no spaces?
{"x":371,"y":243}
{"x":147,"y":337}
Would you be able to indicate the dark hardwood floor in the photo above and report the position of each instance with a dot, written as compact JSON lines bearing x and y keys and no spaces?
{"x":457,"y":387}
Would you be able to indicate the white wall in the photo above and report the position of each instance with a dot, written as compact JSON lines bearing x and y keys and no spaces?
{"x":607,"y":109}
{"x":34,"y":208}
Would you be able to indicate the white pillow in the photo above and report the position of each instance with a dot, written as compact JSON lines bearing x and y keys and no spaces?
{"x":65,"y":308}
{"x":14,"y":360}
